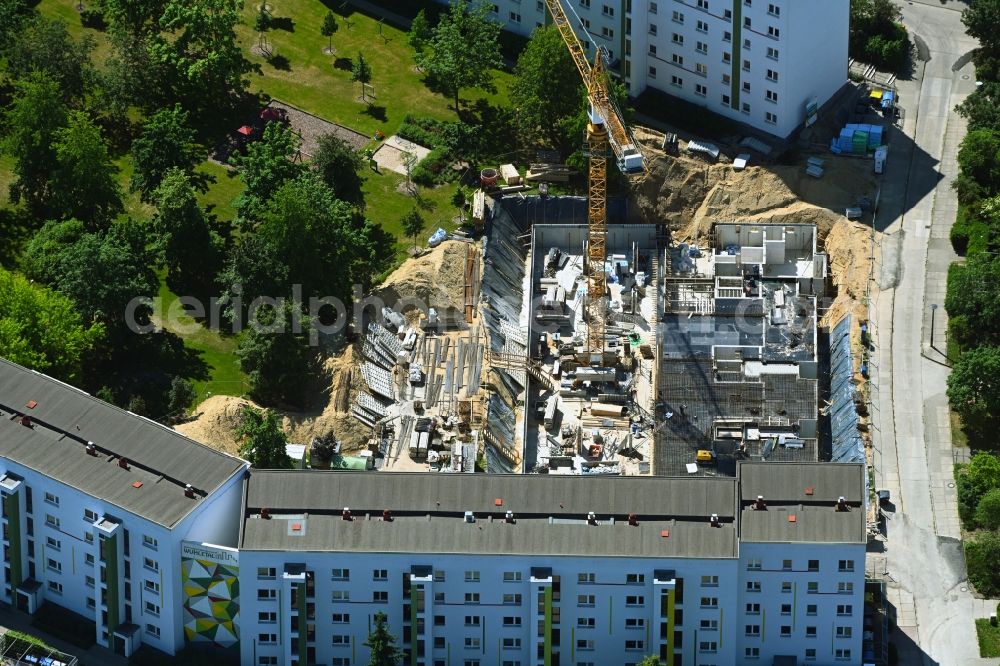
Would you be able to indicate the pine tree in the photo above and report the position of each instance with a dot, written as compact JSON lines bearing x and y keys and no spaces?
{"x":382,"y":644}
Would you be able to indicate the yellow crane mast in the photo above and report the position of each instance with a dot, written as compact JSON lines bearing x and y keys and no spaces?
{"x":605,"y":129}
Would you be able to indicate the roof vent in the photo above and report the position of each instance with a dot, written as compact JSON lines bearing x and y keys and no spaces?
{"x":346,"y":514}
{"x":91,"y":449}
{"x":842,"y":504}
{"x":760,"y":504}
{"x":714,"y":520}
{"x":386,"y":516}
{"x":265,"y":514}
{"x":26,"y":421}
{"x":470,"y":517}
{"x":189,"y":491}
{"x":591,"y":518}
{"x":809,"y":490}
{"x":123,"y":463}
{"x":633,"y":520}
{"x":509,"y":518}
{"x":31,"y":404}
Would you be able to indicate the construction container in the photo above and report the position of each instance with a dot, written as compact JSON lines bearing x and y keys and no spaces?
{"x":550,"y":411}
{"x":607,"y":410}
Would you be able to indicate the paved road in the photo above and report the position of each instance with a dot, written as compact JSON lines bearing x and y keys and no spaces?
{"x":926,"y":569}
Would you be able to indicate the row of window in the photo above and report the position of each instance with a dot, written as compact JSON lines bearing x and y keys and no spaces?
{"x":753,"y":631}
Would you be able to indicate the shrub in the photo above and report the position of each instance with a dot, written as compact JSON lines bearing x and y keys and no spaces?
{"x":981,"y":558}
{"x":93,"y":18}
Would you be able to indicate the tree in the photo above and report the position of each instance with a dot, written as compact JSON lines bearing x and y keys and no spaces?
{"x":253,"y":269}
{"x":978,"y":478}
{"x":33,"y":120}
{"x":974,"y":308}
{"x":191,"y":250}
{"x":84,"y":183}
{"x":13,"y":14}
{"x":262,"y":441}
{"x":981,"y":19}
{"x":362,"y":73}
{"x":413,"y":224}
{"x":328,"y":28}
{"x":974,"y":385}
{"x":458,"y":200}
{"x":338,"y":165}
{"x":179,"y":398}
{"x":167,"y":142}
{"x":43,"y":254}
{"x":546,"y":92}
{"x":265,"y":166}
{"x":276,"y":357}
{"x":200,"y":51}
{"x":981,"y":557}
{"x":41,"y":330}
{"x":876,"y":35}
{"x":382,"y":644}
{"x":420,"y":32}
{"x":982,"y":107}
{"x":464,"y":50}
{"x":979,"y":159}
{"x":650,"y":660}
{"x":45,"y":46}
{"x":988,"y":510}
{"x":261,"y":24}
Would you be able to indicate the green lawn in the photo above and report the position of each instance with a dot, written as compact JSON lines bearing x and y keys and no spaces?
{"x":225,"y":376}
{"x":989,"y":638}
{"x":220,"y":195}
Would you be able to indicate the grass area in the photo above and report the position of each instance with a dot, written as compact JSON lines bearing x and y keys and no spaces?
{"x":958,"y":437}
{"x":386,"y":206}
{"x":216,"y":350}
{"x":218,"y":200}
{"x":65,"y":10}
{"x":989,"y":638}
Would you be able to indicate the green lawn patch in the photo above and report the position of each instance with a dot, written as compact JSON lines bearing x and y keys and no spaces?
{"x":64,"y":624}
{"x":215,"y":349}
{"x":989,"y":638}
{"x":65,"y":10}
{"x":218,"y":200}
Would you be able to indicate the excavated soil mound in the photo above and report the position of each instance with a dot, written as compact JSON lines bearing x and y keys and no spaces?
{"x":435,"y":279}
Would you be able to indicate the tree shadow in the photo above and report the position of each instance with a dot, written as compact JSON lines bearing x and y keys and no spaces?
{"x":283,"y":23}
{"x":345,"y":64}
{"x":16,"y":230}
{"x":376,"y":111}
{"x":280,"y":62}
{"x":424,"y":203}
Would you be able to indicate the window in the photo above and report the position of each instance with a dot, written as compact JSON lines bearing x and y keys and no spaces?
{"x":267,"y":661}
{"x":515,"y":17}
{"x":702,"y":26}
{"x":746,"y":43}
{"x":843,"y":632}
{"x":726,"y":79}
{"x":727,"y":14}
{"x":678,"y":39}
{"x":151,"y":608}
{"x":340,"y":574}
{"x":652,"y":49}
{"x":635,"y":644}
{"x":55,"y":587}
{"x":773,"y":32}
{"x":472,"y":620}
{"x":512,"y":576}
{"x":263,"y":573}
{"x":753,"y":609}
{"x":810,"y":632}
{"x":439,"y":621}
{"x":585,"y":3}
{"x":811,"y":609}
{"x":438,"y":576}
{"x":702,"y":4}
{"x":585,"y":644}
{"x":340,"y":639}
{"x":635,"y":623}
{"x":91,"y":603}
{"x":512,"y":621}
{"x":266,"y":594}
{"x":678,"y":17}
{"x":701,"y":47}
{"x":845,"y":588}
{"x":786,"y":609}
{"x":753,"y":586}
{"x":586,"y":622}
{"x":53,"y":543}
{"x":786,"y":630}
{"x":841,"y":654}
{"x":678,"y":59}
{"x":150,"y":542}
{"x":153,"y":630}
{"x":585,"y":600}
{"x":151,"y":586}
{"x":471,"y":643}
{"x":772,"y":53}
{"x":752,"y":653}
{"x":709,"y":625}
{"x":512,"y":599}
{"x":813,"y":565}
{"x":607,"y":33}
{"x":810,"y":654}
{"x":652,"y":72}
{"x":786,"y":587}
{"x":746,"y":22}
{"x":845,"y":610}
{"x":786,"y":565}
{"x":585,"y":578}
{"x":267,"y":617}
{"x":746,"y":107}
{"x":89,"y":580}
{"x":772,"y":96}
{"x":470,"y":662}
{"x":89,"y":559}
{"x":652,"y":8}
{"x":676,"y":81}
{"x":773,"y":76}
{"x":635,"y":600}
{"x":845,"y":566}
{"x":727,"y":57}
{"x":753,"y":630}
{"x":341,"y":661}
{"x":380,"y":574}
{"x":708,"y":646}
{"x":727,"y":36}
{"x":709,"y":581}
{"x":52,"y":499}
{"x":512,"y":644}
{"x":378,"y":597}
{"x":774,"y":10}
{"x":709,"y":602}
{"x":472,"y":597}
{"x":267,"y":639}
{"x":725,"y":100}
{"x":746,"y":65}
{"x":51,"y":521}
{"x":53,"y":565}
{"x":746,"y":86}
{"x":608,"y":10}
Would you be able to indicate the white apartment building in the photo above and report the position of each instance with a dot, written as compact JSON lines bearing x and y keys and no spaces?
{"x":530,"y":570}
{"x":96,"y":502}
{"x":760,"y":62}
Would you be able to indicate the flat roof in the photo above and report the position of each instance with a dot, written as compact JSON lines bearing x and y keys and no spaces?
{"x":64,"y":419}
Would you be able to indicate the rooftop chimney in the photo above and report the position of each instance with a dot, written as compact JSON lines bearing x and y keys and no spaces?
{"x":842,"y":504}
{"x":470,"y":517}
{"x":26,"y":421}
{"x":265,"y":514}
{"x":386,"y":515}
{"x":91,"y":449}
{"x":760,"y":504}
{"x":123,"y":463}
{"x":591,"y":518}
{"x":189,"y":491}
{"x":509,"y":518}
{"x":715,"y":520}
{"x":633,"y":520}
{"x":346,"y":514}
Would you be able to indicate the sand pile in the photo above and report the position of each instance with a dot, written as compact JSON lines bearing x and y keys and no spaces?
{"x":849,"y":247}
{"x":434,"y":279}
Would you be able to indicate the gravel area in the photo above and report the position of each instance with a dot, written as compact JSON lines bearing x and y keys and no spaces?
{"x":312,"y":127}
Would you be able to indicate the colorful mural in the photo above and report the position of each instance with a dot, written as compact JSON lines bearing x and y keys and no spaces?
{"x":210,"y":576}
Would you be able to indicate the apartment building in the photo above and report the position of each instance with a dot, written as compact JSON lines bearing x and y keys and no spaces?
{"x":767,"y":63}
{"x":526,"y":570}
{"x":96,"y":503}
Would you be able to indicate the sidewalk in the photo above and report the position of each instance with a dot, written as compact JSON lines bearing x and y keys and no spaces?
{"x":95,"y":656}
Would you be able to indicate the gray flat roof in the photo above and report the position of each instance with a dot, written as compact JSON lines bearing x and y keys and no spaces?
{"x":802,"y":482}
{"x":550,"y":512}
{"x":64,"y":419}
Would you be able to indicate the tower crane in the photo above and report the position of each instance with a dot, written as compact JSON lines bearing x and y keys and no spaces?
{"x":605,"y":129}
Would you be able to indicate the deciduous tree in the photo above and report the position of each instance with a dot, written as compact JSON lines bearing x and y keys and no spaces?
{"x":413,"y":225}
{"x":276,"y":357}
{"x":84,"y":183}
{"x":339,"y":166}
{"x":981,"y":556}
{"x":262,"y":441}
{"x":266,"y":165}
{"x":982,"y":107}
{"x":988,"y":510}
{"x":361,"y":72}
{"x":464,"y":50}
{"x":188,"y":245}
{"x":420,"y":32}
{"x":167,"y":142}
{"x":328,"y":28}
{"x":44,"y":45}
{"x":974,"y":386}
{"x":972,"y":305}
{"x":979,"y":159}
